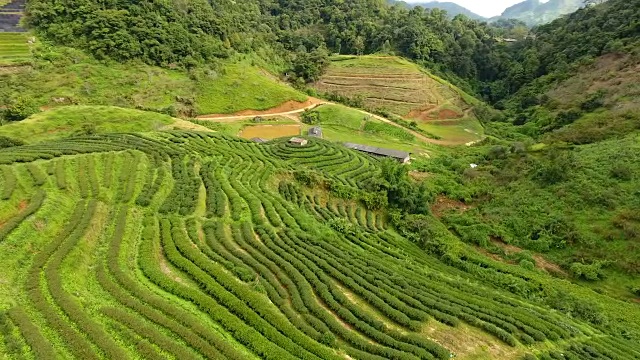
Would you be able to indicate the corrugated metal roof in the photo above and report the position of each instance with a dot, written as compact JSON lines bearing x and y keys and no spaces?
{"x":397,"y":154}
{"x":297,"y":140}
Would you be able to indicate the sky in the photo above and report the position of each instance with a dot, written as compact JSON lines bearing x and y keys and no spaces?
{"x":486,"y":8}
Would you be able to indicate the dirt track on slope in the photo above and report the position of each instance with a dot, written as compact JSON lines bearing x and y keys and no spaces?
{"x":294,"y":107}
{"x":287,"y":108}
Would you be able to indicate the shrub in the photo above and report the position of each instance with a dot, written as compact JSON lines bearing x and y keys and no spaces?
{"x":20,"y":108}
{"x":622,"y":172}
{"x":594,"y":101}
{"x":527,"y":264}
{"x":310,"y":117}
{"x":591,"y":272}
{"x":6,"y":142}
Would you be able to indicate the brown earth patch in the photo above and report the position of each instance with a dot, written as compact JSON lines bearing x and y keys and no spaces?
{"x":541,"y":262}
{"x":448,"y":114}
{"x":468,"y":343}
{"x":430,"y":113}
{"x":419,"y":175}
{"x":424,"y":113}
{"x":22,"y":205}
{"x":180,"y":124}
{"x":6,"y":70}
{"x":39,"y":224}
{"x":269,"y":131}
{"x":444,"y":204}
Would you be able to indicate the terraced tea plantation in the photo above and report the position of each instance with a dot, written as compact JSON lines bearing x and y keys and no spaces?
{"x":191,"y":245}
{"x":14,"y":49}
{"x":393,"y":84}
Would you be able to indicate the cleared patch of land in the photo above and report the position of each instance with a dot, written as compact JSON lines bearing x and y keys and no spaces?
{"x":269,"y":131}
{"x":290,"y":107}
{"x":240,"y":87}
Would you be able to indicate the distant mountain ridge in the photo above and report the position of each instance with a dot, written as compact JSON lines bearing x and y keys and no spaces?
{"x":532,"y":12}
{"x":536,"y":12}
{"x":451,"y":8}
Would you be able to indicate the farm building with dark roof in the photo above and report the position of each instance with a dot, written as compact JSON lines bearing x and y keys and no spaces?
{"x":315,"y":131}
{"x":400,"y":156}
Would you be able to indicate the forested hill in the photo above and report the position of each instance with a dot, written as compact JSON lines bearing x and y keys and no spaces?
{"x":562,"y":49}
{"x":188,"y":33}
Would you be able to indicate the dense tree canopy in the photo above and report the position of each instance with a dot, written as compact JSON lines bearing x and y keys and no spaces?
{"x":303,"y":32}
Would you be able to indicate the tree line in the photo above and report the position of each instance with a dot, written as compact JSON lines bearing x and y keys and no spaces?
{"x":303,"y":33}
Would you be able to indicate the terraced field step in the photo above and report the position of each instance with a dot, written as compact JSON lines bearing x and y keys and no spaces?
{"x":194,"y":245}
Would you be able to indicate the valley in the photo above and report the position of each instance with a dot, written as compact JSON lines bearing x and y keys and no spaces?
{"x":318,"y":180}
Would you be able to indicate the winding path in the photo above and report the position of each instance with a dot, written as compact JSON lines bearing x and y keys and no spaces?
{"x":315,"y":104}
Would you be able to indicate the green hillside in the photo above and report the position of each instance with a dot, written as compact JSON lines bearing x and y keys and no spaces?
{"x":74,"y":120}
{"x":225,"y":87}
{"x":132,"y":227}
{"x":191,"y":245}
{"x":397,"y":87}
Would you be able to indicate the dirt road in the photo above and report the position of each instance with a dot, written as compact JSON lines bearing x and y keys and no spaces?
{"x":312,"y":104}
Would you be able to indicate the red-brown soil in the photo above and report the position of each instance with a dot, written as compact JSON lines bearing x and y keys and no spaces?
{"x":541,"y":262}
{"x":429,"y":113}
{"x":444,"y":204}
{"x":448,"y":114}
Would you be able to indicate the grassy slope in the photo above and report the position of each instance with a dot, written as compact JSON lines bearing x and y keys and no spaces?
{"x":242,"y":87}
{"x":411,"y":92}
{"x":71,"y":77}
{"x":590,"y":215}
{"x":587,"y":216}
{"x":343,"y":124}
{"x":614,"y":82}
{"x":69,"y":120}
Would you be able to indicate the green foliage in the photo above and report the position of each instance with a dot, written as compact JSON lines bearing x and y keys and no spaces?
{"x":591,"y":272}
{"x":390,"y":130}
{"x":7,"y":142}
{"x":107,"y":31}
{"x":427,"y":232}
{"x":310,"y":117}
{"x":244,"y":269}
{"x":555,"y":168}
{"x":527,"y":264}
{"x":19,"y":108}
{"x":308,"y":66}
{"x":402,"y":192}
